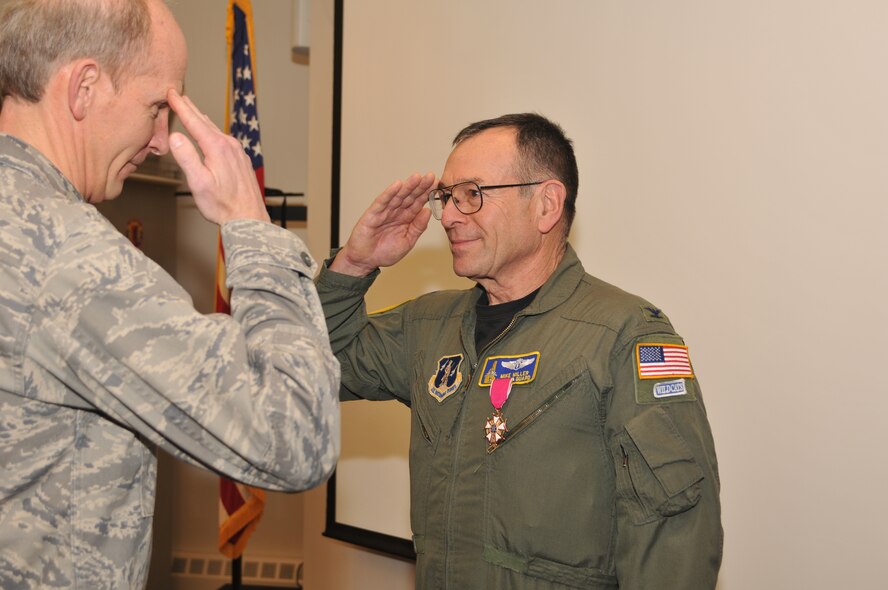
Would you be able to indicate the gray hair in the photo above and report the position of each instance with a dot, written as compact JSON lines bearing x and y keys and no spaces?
{"x":38,"y":36}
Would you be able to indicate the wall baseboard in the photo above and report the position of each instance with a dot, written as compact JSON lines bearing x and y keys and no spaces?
{"x":268,"y":571}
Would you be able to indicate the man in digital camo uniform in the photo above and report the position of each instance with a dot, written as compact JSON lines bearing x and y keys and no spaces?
{"x":558,"y":435}
{"x":102,"y":356}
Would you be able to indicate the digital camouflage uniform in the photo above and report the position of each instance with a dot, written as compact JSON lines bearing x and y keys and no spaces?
{"x":103,"y":359}
{"x":607,"y":474}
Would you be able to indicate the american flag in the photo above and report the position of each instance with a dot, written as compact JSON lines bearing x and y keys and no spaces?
{"x":244,"y":114}
{"x":656,"y":361}
{"x":240,"y":506}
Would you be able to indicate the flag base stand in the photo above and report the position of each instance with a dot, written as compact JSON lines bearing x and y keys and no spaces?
{"x":237,"y":580}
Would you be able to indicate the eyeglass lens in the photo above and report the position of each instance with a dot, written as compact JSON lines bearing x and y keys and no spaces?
{"x":466,"y":197}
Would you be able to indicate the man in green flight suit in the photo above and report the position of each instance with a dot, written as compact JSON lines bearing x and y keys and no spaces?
{"x":558,"y":433}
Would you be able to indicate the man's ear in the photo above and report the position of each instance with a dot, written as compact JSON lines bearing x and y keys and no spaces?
{"x":83,"y":86}
{"x":551,"y":205}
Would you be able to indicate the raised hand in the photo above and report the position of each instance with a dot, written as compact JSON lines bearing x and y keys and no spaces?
{"x":388,"y":229}
{"x":223,"y":183}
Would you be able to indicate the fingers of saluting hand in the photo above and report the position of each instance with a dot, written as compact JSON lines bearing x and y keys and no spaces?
{"x":195,"y":121}
{"x":223,"y":183}
{"x":406,"y":196}
{"x":200,"y":127}
{"x":388,"y":229}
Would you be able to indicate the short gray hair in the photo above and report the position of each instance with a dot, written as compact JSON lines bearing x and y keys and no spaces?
{"x":38,"y":36}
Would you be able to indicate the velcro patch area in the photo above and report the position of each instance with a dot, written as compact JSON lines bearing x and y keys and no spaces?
{"x":663,"y":371}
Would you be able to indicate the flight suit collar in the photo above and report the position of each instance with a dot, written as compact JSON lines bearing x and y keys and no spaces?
{"x":560,"y":285}
{"x":556,"y":290}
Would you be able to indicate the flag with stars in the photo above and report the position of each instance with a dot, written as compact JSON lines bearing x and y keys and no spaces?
{"x":663,"y":361}
{"x":240,"y":506}
{"x":243,"y":113}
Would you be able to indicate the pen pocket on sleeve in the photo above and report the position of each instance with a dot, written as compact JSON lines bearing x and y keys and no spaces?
{"x":657,"y":475}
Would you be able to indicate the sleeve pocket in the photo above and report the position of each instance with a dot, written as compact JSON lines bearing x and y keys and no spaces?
{"x":660,"y":476}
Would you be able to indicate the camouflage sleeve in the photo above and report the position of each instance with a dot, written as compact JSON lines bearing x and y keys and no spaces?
{"x":252,"y":396}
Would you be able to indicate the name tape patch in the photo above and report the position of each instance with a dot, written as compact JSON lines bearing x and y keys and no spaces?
{"x":521,"y":369}
{"x":670,"y":388}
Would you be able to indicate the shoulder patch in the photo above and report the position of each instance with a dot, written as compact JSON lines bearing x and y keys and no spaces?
{"x":658,"y":361}
{"x":663,"y":373}
{"x":447,"y":378}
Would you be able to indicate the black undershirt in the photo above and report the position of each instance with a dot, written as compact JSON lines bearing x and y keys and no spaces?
{"x":493,"y":319}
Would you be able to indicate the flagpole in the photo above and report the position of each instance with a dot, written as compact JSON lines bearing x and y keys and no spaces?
{"x":236,"y":574}
{"x":241,"y":506}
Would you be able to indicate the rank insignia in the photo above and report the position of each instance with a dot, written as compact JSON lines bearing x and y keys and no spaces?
{"x":654,"y":314}
{"x":521,"y":369}
{"x":447,"y":379}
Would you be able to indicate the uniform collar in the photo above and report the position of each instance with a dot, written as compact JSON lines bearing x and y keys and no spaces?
{"x":18,"y":154}
{"x":560,"y":285}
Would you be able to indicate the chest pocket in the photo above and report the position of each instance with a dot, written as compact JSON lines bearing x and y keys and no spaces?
{"x":529,"y":405}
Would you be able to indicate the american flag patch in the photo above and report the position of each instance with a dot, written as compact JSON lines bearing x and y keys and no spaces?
{"x":659,"y":361}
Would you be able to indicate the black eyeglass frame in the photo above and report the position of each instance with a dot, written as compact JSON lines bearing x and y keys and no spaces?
{"x":439,"y":193}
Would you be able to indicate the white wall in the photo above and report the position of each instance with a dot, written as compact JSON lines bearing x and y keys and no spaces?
{"x":330,"y":564}
{"x":734,"y":170}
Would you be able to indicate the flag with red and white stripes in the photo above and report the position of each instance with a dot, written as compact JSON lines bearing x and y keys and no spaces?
{"x":663,"y":361}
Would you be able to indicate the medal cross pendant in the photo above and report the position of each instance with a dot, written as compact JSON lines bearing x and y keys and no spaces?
{"x":495,"y":429}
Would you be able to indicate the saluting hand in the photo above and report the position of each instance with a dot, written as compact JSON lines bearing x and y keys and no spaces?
{"x":224,"y":183}
{"x":388,"y":229}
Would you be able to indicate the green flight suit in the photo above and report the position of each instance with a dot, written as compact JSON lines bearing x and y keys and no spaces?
{"x":607,"y":477}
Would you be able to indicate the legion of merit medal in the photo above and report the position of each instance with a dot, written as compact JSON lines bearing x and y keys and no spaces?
{"x":495,"y":429}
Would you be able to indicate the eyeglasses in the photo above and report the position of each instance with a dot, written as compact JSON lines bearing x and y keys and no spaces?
{"x":466,"y":196}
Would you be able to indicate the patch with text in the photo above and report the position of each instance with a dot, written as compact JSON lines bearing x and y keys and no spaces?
{"x":670,"y":388}
{"x":447,"y":378}
{"x":521,"y":369}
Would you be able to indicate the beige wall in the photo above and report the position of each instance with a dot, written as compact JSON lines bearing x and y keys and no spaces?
{"x":734,"y":169}
{"x":769,"y":145}
{"x":330,"y":564}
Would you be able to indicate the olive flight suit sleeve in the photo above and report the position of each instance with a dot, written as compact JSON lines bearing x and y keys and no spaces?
{"x":370,"y":348}
{"x":252,"y":396}
{"x":669,"y":532}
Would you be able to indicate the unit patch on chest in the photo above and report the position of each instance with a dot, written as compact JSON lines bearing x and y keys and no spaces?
{"x":447,"y":378}
{"x":521,"y":369}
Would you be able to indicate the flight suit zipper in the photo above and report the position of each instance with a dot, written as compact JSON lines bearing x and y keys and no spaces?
{"x":628,"y":469}
{"x":422,"y":427}
{"x":499,"y":337}
{"x":455,"y":453}
{"x":532,"y":416}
